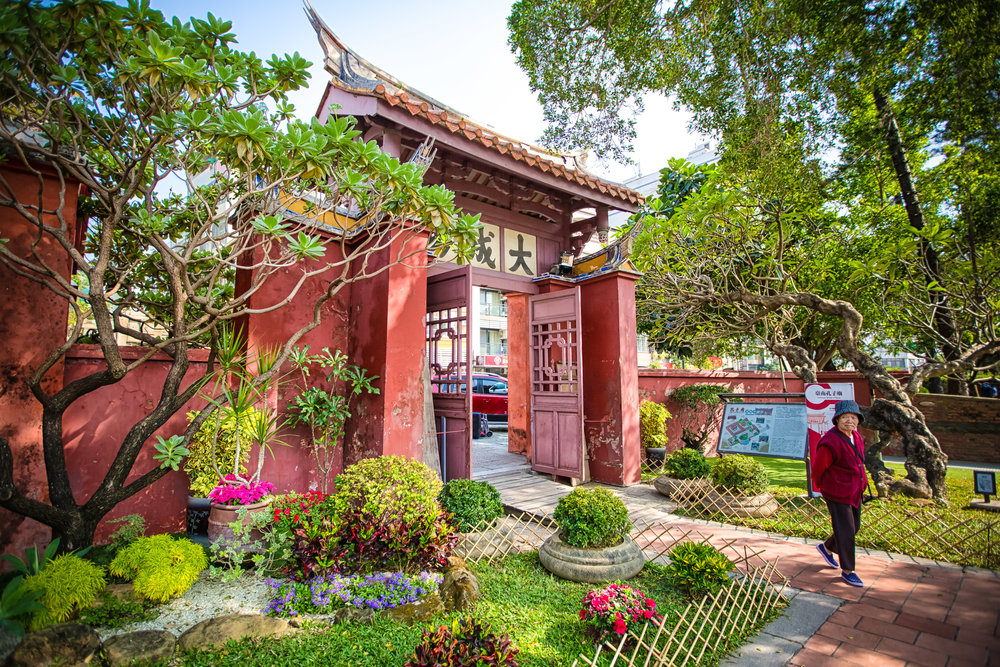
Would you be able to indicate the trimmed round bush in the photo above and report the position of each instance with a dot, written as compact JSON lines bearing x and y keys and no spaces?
{"x":698,"y":568}
{"x":594,"y":518}
{"x":653,"y":424}
{"x":68,"y":584}
{"x":740,"y":474}
{"x":686,"y":464}
{"x":473,"y":504}
{"x":386,"y":516}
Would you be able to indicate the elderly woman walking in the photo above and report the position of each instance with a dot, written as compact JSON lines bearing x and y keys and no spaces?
{"x":839,"y":471}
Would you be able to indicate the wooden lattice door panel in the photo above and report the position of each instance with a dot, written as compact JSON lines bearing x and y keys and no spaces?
{"x":449,"y":357}
{"x":557,"y":384}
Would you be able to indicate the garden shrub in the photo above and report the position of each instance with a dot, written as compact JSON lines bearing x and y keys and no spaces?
{"x":132,"y":528}
{"x":686,"y":464}
{"x":617,"y":609}
{"x":16,"y":602}
{"x":653,"y":424}
{"x":740,"y":474}
{"x":116,"y":612}
{"x":698,"y":568}
{"x":160,"y":567}
{"x":202,"y":477}
{"x":466,"y":643}
{"x":591,"y":518}
{"x":257,"y":541}
{"x":69,"y":584}
{"x":473,"y":504}
{"x":385,"y":517}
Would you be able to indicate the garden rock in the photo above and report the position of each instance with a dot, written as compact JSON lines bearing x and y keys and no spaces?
{"x":460,"y":589}
{"x":420,"y":611}
{"x":143,"y":646}
{"x":215,"y":632}
{"x":62,"y":644}
{"x":124,"y":592}
{"x":353,"y":615}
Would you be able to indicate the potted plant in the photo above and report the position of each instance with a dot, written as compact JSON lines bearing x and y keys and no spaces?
{"x":592,"y":543}
{"x":700,"y":413}
{"x":685,"y":475}
{"x":217,"y":436}
{"x":653,"y":429}
{"x":241,"y":388}
{"x":740,"y":488}
{"x":325,"y":411}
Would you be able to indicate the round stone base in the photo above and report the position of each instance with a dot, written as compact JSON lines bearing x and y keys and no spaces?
{"x":594,"y":566}
{"x":763,"y":505}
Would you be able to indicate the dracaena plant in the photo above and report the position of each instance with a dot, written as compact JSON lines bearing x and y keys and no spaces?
{"x":326,"y":411}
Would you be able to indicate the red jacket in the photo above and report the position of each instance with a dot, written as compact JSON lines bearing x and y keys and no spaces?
{"x":840,"y":470}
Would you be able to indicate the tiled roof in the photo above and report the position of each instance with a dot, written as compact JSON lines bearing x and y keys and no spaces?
{"x":519,"y":151}
{"x":353,"y":73}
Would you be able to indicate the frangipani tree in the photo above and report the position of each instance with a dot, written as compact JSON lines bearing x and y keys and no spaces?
{"x":128,"y":104}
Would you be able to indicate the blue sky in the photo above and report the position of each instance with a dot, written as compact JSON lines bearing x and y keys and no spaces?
{"x":453,"y":50}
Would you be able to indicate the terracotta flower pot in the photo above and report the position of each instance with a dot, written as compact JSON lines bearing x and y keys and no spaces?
{"x":595,"y":566}
{"x":220,"y":516}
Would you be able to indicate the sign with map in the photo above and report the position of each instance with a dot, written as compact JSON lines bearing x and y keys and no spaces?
{"x":777,"y":430}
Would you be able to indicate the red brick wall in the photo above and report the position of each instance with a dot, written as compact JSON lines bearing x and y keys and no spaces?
{"x":968,"y":429}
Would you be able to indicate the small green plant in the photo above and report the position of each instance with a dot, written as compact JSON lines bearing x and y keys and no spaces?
{"x":740,"y":474}
{"x":68,"y":584}
{"x":686,"y":464}
{"x":653,"y":424}
{"x":258,"y":541}
{"x":324,"y":594}
{"x":33,"y":561}
{"x":473,"y":504}
{"x":698,"y":568}
{"x":701,"y":412}
{"x":16,"y":602}
{"x":159,"y":566}
{"x":324,"y":411}
{"x":170,"y":452}
{"x":116,"y":612}
{"x":133,"y":527}
{"x":591,"y":518}
{"x":220,"y":427}
{"x":467,"y":643}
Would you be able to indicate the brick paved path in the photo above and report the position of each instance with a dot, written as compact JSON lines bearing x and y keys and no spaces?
{"x":908,"y":613}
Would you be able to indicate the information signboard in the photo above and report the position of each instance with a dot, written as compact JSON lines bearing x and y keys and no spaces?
{"x":820,"y":401}
{"x":777,"y":430}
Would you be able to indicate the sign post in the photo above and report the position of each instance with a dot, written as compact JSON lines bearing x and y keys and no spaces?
{"x":777,"y":430}
{"x":820,"y":401}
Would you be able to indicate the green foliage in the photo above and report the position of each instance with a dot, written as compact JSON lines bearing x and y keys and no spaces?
{"x":701,"y":412}
{"x":686,"y":464}
{"x":592,"y":518}
{"x":133,"y":527}
{"x":68,"y":584}
{"x":160,"y":566}
{"x":698,"y":568}
{"x":258,"y":541}
{"x":653,"y":424}
{"x":386,"y":516}
{"x":16,"y":602}
{"x":473,"y":504}
{"x":325,"y":594}
{"x":170,"y":452}
{"x":220,"y":431}
{"x":467,"y":643}
{"x":116,"y":612}
{"x":326,"y":411}
{"x":33,"y":562}
{"x":740,"y":474}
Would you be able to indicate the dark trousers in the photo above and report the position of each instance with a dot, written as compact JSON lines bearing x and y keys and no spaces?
{"x":846,"y":520}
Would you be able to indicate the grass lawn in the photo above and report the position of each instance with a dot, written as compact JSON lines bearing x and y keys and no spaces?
{"x":540,"y":612}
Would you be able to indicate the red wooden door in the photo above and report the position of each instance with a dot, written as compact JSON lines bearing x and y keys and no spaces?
{"x":449,"y":357}
{"x":556,"y":383}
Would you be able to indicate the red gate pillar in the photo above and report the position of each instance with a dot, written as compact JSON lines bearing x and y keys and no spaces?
{"x":518,"y":375}
{"x":387,"y":338}
{"x":610,"y":377}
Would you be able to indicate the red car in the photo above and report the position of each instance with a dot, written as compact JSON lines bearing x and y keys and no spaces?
{"x":489,"y":396}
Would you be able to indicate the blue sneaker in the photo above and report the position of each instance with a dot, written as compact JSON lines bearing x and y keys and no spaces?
{"x":827,"y":556}
{"x":853,"y":579}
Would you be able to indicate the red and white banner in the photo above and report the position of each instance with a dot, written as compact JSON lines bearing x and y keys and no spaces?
{"x":820,"y":399}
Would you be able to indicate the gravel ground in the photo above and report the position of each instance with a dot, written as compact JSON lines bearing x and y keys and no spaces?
{"x":206,"y":599}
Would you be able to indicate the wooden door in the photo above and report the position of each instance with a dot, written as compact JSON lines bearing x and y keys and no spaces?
{"x":449,"y":357}
{"x":556,"y":384}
